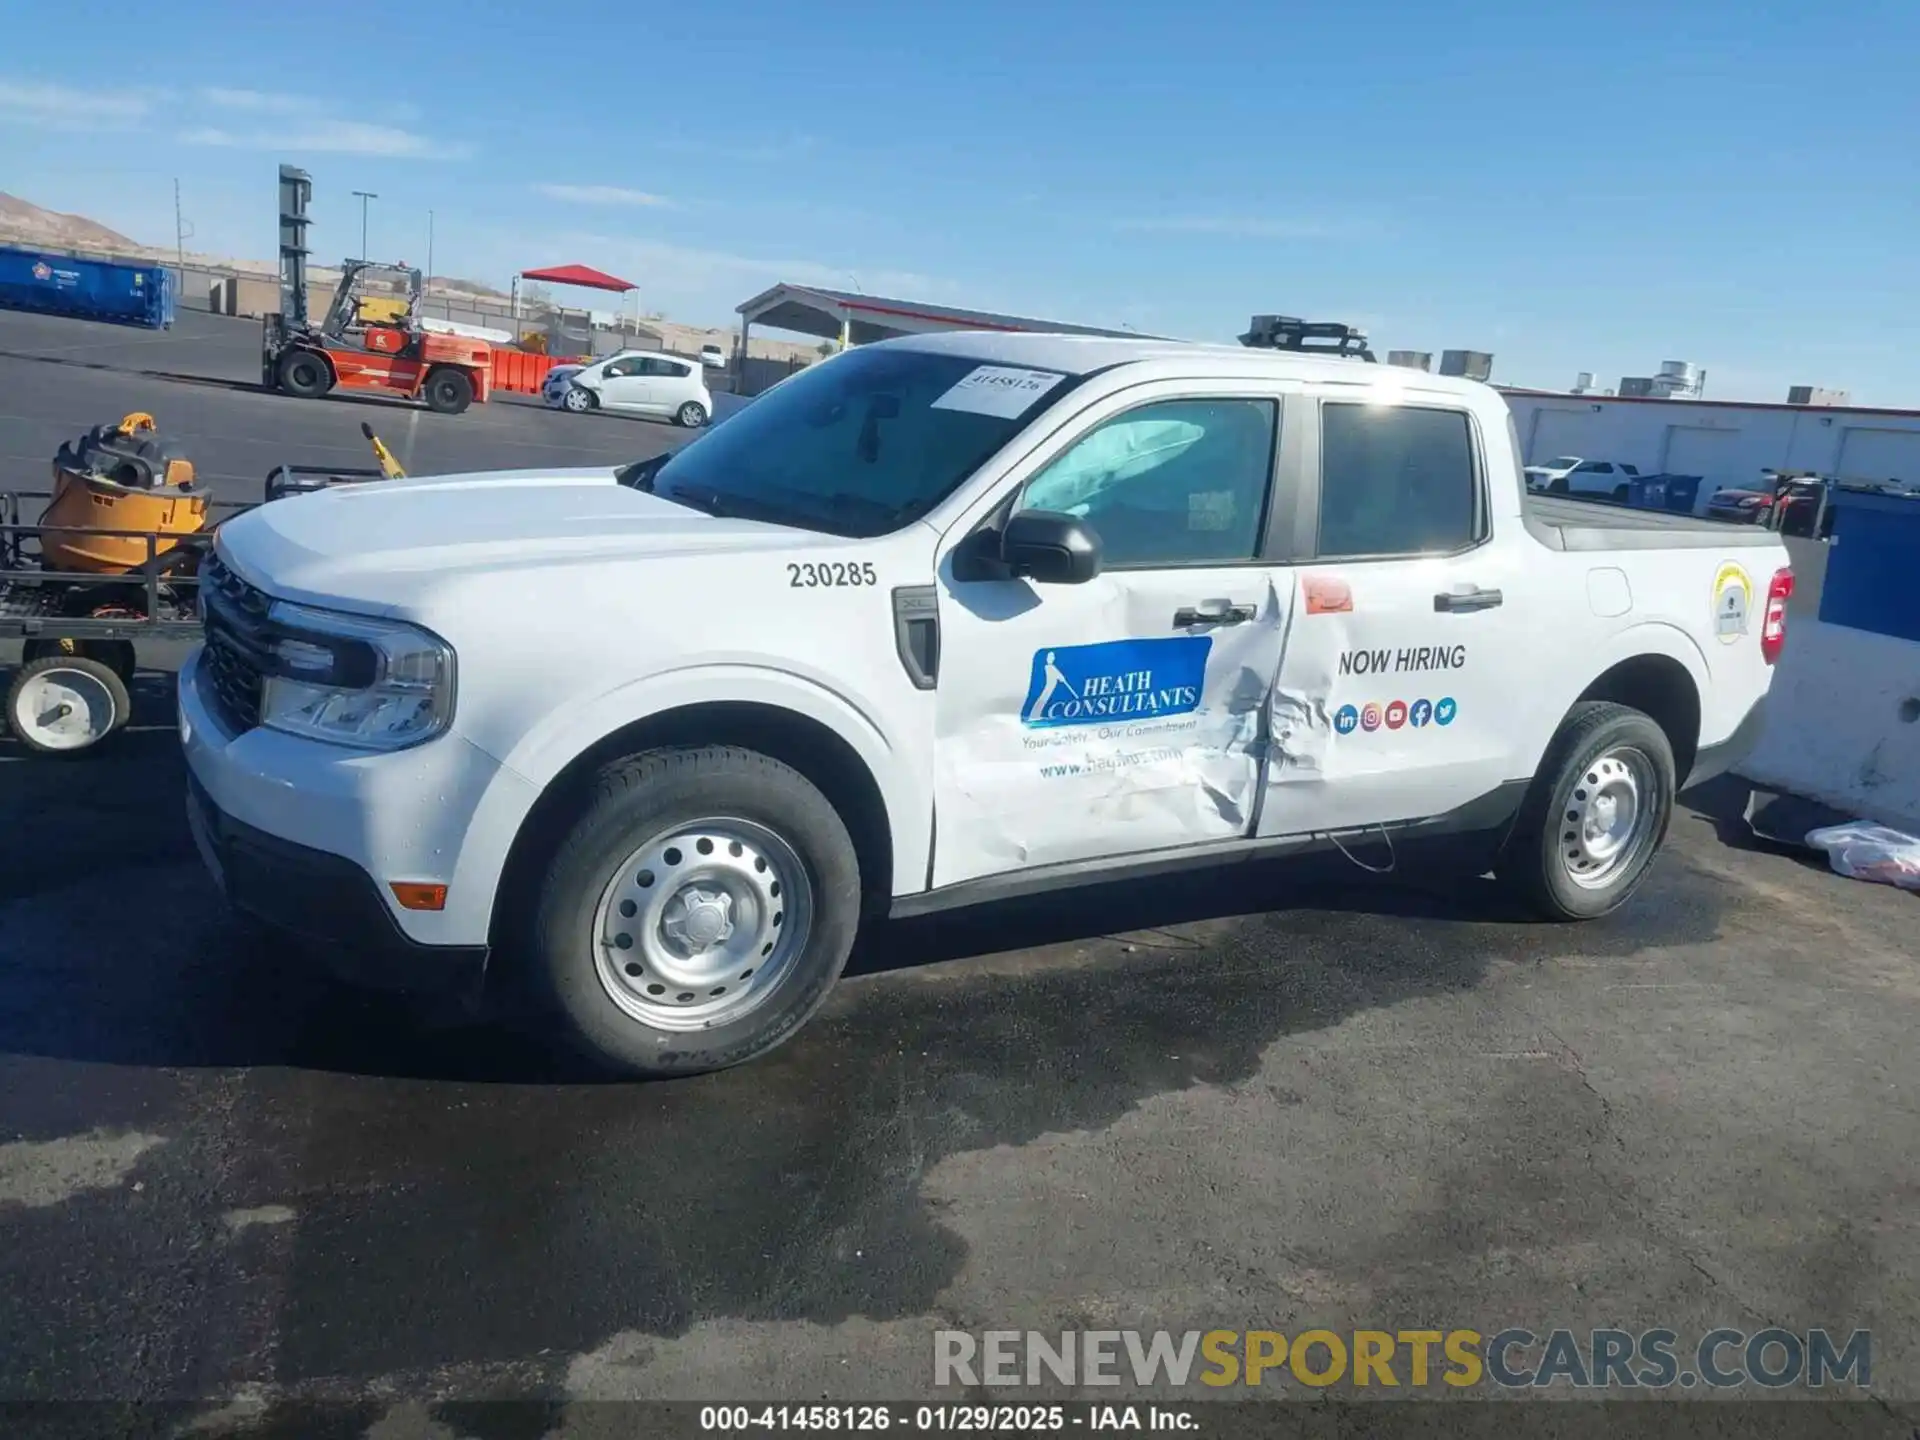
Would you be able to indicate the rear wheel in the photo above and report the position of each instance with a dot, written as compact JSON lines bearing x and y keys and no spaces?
{"x":1595,"y":815}
{"x":305,"y":374}
{"x":449,"y":391}
{"x":690,"y":416}
{"x":61,"y":704}
{"x":699,"y":912}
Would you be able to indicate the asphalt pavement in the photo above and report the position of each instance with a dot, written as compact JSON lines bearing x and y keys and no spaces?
{"x":200,"y":381}
{"x":1290,"y":1097}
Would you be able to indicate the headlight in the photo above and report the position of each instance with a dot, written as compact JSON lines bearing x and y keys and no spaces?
{"x":351,"y":680}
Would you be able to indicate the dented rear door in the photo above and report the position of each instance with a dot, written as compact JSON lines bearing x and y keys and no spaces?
{"x":1416,"y":624}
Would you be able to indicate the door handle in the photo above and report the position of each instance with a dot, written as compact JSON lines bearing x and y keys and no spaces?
{"x":1214,"y":612}
{"x":1459,"y":601}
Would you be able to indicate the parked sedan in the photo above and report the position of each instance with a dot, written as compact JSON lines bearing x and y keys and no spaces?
{"x":635,"y":383}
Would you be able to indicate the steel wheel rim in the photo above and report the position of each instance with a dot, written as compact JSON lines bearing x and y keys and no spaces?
{"x":61,"y":709}
{"x":575,"y":401}
{"x":714,"y":914}
{"x":1609,"y":816}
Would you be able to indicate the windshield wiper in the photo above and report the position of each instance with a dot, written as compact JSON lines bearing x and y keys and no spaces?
{"x":721,"y":505}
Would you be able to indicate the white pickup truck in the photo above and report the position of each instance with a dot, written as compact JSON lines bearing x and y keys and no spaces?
{"x":937,"y":621}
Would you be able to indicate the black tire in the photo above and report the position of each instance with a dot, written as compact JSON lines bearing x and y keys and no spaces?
{"x":690,"y":416}
{"x":303,"y":373}
{"x":1622,"y":494}
{"x":100,"y":679}
{"x":579,"y":400}
{"x":448,"y":391}
{"x":1557,"y":485}
{"x":636,"y":800}
{"x":1538,"y":861}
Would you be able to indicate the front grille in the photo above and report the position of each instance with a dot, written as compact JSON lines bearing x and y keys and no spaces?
{"x":234,"y":615}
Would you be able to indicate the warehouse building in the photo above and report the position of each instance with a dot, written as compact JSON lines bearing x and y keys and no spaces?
{"x":1729,"y":443}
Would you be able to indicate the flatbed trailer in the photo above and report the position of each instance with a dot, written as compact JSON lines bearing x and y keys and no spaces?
{"x":81,"y":632}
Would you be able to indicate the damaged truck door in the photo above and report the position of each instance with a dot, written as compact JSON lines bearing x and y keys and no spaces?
{"x":1111,"y":704}
{"x":1406,"y":669}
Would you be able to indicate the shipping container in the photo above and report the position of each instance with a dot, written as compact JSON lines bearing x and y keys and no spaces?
{"x":86,"y":289}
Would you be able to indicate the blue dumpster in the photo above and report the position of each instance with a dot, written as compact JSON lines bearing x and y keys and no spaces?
{"x":1682,"y":492}
{"x":1647,"y":492}
{"x":86,"y":289}
{"x":1871,"y":564}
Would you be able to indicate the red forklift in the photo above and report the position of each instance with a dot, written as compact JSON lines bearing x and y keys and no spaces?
{"x":370,"y":339}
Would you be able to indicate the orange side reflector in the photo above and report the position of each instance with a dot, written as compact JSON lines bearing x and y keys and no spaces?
{"x":416,"y":895}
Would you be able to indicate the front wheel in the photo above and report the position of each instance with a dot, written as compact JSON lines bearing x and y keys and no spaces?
{"x":449,"y":391}
{"x":1594,"y":816}
{"x":690,"y":416}
{"x":62,"y":704}
{"x":305,"y":374}
{"x":699,"y":912}
{"x":578,"y":400}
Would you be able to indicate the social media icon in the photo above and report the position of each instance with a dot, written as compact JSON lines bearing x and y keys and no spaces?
{"x":1396,"y":714}
{"x":1443,"y":711}
{"x":1370,"y":718}
{"x":1345,"y":720}
{"x":1420,"y":712}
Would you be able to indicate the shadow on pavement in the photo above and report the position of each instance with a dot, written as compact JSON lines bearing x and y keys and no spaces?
{"x":119,"y":949}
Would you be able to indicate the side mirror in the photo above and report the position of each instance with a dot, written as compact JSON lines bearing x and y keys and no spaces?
{"x":1050,"y":548}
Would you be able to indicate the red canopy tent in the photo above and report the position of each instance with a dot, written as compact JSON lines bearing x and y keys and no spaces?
{"x":584,"y":276}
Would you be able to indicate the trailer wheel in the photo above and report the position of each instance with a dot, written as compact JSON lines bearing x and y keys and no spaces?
{"x":449,"y":391}
{"x":305,"y":374}
{"x":61,"y":705}
{"x":117,"y":655}
{"x":699,"y":912}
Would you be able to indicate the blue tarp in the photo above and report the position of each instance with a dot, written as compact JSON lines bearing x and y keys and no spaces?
{"x":87,"y":289}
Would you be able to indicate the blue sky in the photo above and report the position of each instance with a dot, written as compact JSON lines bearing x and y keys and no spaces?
{"x":1571,"y":187}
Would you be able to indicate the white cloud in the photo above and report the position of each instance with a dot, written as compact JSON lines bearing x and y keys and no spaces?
{"x":64,"y":107}
{"x":335,"y":137}
{"x":602,"y":195}
{"x":257,"y":102}
{"x":1244,"y":228}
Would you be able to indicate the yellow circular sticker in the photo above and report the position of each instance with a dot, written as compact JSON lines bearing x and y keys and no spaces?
{"x":1732,"y":602}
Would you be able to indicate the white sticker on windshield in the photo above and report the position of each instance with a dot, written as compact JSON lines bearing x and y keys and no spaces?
{"x":999,"y":390}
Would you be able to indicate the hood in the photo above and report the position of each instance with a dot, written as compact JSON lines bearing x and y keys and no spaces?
{"x":380,"y":545}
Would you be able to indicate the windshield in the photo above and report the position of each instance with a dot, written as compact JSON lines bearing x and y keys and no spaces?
{"x":859,"y":444}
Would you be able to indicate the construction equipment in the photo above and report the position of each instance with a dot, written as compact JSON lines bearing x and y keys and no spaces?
{"x":114,"y":558}
{"x":370,"y":339}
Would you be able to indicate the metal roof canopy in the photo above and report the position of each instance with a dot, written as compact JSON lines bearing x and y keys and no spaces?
{"x":863,"y":319}
{"x":584,"y":276}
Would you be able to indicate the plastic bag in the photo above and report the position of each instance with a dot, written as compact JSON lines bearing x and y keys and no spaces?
{"x":1870,"y":852}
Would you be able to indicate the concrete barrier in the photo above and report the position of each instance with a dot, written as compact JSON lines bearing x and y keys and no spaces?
{"x":1843,"y":723}
{"x":1843,"y":717}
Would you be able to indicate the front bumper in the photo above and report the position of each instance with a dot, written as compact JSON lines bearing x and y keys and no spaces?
{"x":326,"y":902}
{"x":310,"y":837}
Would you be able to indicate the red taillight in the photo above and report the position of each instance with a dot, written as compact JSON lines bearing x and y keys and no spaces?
{"x":1773,"y":629}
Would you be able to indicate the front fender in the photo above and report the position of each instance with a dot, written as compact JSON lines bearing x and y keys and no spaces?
{"x":568,"y":732}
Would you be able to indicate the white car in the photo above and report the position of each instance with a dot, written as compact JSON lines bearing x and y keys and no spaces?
{"x":1571,"y":475}
{"x":634,"y":382}
{"x":713,"y":357}
{"x":945,"y":619}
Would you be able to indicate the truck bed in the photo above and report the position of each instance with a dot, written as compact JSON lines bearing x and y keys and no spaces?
{"x":1560,"y":523}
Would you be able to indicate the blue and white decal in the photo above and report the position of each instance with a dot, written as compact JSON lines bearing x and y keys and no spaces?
{"x":1118,"y":680}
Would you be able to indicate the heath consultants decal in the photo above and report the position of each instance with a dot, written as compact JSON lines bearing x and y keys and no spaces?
{"x":1119,"y":680}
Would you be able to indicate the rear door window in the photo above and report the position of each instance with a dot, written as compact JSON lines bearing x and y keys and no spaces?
{"x":1397,"y":480}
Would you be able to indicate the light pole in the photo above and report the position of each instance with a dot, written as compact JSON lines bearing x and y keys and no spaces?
{"x":365,"y":196}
